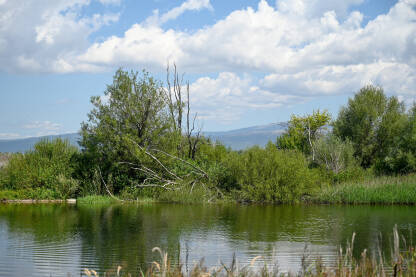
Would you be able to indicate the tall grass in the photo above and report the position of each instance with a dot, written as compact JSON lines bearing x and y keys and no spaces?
{"x":402,"y":263}
{"x":96,"y":200}
{"x":375,"y":190}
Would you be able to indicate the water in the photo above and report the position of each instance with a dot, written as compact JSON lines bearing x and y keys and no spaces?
{"x":57,"y":240}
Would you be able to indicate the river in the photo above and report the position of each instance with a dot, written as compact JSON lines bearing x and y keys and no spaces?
{"x":59,"y":239}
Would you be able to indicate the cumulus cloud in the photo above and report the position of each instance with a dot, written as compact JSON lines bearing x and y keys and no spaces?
{"x":301,"y":48}
{"x":338,"y":79}
{"x":43,"y":128}
{"x":313,"y":8}
{"x":225,"y":97}
{"x":42,"y":35}
{"x":268,"y":40}
{"x":189,"y":5}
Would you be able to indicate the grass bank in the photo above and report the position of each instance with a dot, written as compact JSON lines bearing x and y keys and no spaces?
{"x":35,"y":194}
{"x":375,"y":190}
{"x":385,"y":190}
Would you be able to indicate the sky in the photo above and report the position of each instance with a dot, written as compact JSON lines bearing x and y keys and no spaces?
{"x":249,"y":62}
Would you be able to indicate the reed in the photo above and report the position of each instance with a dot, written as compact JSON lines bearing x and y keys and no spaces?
{"x":376,"y":190}
{"x":402,"y":263}
{"x":96,"y":200}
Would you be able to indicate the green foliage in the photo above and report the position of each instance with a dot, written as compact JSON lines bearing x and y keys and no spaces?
{"x":96,"y":200}
{"x":336,"y":156}
{"x":188,"y":193}
{"x":29,"y":193}
{"x":66,"y":187}
{"x":373,"y":122}
{"x":400,"y":158}
{"x":380,"y":190}
{"x":47,"y":167}
{"x":274,"y":175}
{"x":129,"y":135}
{"x":303,"y":131}
{"x":219,"y":163}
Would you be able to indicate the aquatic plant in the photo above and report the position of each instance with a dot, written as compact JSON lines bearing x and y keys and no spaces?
{"x":402,"y":263}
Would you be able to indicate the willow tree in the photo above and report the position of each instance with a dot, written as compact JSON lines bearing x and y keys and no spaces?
{"x":373,"y":122}
{"x":131,"y":136}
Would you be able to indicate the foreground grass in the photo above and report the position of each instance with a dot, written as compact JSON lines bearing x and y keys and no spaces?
{"x":402,"y":263}
{"x":375,"y":190}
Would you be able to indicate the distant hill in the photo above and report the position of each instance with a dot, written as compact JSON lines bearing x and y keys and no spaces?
{"x":242,"y":138}
{"x":23,"y":145}
{"x":236,"y":139}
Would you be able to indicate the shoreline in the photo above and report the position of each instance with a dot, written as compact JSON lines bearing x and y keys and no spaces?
{"x":35,"y":201}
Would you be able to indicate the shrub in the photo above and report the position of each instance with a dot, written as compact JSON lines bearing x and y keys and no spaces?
{"x":48,"y":166}
{"x":273,"y":175}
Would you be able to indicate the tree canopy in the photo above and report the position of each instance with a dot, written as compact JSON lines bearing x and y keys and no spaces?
{"x":373,"y":122}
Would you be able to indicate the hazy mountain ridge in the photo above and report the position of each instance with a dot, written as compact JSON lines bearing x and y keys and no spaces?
{"x":25,"y":144}
{"x":236,"y":139}
{"x":242,"y":138}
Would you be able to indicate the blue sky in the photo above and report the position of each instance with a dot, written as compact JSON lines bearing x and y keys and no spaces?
{"x":249,"y":62}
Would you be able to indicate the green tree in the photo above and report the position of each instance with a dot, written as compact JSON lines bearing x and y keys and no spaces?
{"x":400,"y":158}
{"x":131,"y":117}
{"x":303,"y":131}
{"x":134,"y":137}
{"x":373,"y":122}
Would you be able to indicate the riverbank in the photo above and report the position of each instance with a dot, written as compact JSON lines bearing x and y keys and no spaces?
{"x":385,"y":190}
{"x":35,"y":201}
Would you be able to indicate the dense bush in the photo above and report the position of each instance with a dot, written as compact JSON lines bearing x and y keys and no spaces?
{"x":274,"y":175}
{"x":48,"y":166}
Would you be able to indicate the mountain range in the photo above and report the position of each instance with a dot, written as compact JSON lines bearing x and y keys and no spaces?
{"x":236,"y":139}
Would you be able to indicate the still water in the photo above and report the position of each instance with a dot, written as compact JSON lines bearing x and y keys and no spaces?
{"x":62,"y":240}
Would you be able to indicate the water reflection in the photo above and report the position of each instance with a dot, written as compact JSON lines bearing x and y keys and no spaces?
{"x":59,"y":239}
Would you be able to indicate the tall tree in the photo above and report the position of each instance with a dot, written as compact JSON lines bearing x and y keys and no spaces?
{"x":373,"y":122}
{"x":303,"y":131}
{"x":134,"y":134}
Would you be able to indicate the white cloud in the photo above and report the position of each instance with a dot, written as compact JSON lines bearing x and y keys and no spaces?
{"x":339,"y":79}
{"x":267,"y":40}
{"x":188,"y":5}
{"x":36,"y":34}
{"x":110,"y":2}
{"x":304,"y":48}
{"x":9,"y":135}
{"x":226,"y":97}
{"x":313,"y":8}
{"x":43,"y":126}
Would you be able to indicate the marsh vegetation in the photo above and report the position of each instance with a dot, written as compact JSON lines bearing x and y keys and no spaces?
{"x":143,"y":141}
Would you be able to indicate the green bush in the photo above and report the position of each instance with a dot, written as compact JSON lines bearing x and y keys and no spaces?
{"x":274,"y":175}
{"x":48,"y":167}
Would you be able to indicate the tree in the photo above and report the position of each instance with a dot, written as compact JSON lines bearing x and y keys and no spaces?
{"x":372,"y":122}
{"x":334,"y":154}
{"x":176,"y":106}
{"x":303,"y":131}
{"x":400,"y":157}
{"x":134,"y":136}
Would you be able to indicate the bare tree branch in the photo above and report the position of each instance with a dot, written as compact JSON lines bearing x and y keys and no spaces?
{"x":105,"y":185}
